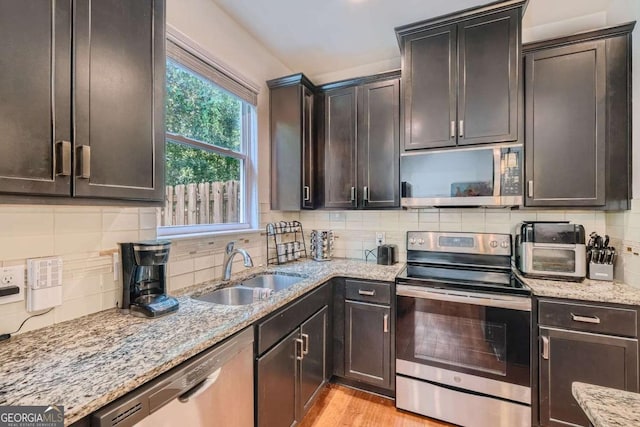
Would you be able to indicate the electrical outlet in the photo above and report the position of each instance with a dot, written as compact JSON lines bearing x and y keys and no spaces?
{"x":11,"y":277}
{"x":380,"y":238}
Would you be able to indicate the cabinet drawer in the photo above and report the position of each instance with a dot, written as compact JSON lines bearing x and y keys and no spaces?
{"x":376,"y":292}
{"x":278,"y":325}
{"x":589,"y":318}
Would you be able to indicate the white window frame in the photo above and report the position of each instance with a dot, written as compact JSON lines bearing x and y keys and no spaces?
{"x":248,"y":207}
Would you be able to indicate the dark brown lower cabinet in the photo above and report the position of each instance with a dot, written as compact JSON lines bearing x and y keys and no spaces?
{"x":292,"y":372}
{"x":368,"y":343}
{"x":568,"y":356}
{"x":277,"y":377}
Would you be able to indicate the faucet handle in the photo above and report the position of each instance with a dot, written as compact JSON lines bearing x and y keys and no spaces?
{"x":230,"y":246}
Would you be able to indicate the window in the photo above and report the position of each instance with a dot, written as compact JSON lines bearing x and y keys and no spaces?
{"x":210,"y":142}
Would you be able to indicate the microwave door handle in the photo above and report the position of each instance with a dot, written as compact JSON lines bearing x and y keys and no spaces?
{"x":497,"y":172}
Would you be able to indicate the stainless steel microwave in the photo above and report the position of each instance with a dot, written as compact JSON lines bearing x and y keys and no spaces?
{"x":473,"y":176}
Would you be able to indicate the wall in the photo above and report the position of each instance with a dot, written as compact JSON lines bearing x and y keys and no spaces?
{"x":355,"y":230}
{"x":624,"y":227}
{"x":85,"y":237}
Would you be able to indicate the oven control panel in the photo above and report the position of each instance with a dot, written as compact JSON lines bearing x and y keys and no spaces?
{"x":468,"y":243}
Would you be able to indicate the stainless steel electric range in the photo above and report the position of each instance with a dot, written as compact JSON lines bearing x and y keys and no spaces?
{"x":463,"y":331}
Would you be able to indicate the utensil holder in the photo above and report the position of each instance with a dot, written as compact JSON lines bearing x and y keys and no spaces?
{"x":601,"y":271}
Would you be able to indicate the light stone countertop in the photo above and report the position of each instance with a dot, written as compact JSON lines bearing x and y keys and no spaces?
{"x":607,"y":407}
{"x":587,"y":290}
{"x":85,"y":363}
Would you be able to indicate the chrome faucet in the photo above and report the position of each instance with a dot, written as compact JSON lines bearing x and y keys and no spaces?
{"x":230,"y":252}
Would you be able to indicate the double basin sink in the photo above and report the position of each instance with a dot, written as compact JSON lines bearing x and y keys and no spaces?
{"x":250,"y":290}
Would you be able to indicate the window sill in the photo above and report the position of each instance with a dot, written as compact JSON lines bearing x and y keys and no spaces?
{"x":203,"y":235}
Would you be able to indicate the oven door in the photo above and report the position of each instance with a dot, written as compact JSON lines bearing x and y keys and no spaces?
{"x":465,"y":340}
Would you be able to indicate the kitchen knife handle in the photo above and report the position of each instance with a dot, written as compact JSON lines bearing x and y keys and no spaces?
{"x":63,"y":158}
{"x":453,"y":129}
{"x":84,"y":162}
{"x":545,"y":347}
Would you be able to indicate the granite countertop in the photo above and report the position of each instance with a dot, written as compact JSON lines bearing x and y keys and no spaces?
{"x":587,"y":290}
{"x":85,"y":363}
{"x":607,"y":407}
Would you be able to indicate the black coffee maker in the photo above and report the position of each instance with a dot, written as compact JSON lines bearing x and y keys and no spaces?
{"x":144,"y":278}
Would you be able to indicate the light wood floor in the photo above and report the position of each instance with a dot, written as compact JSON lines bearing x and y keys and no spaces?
{"x":342,"y":406}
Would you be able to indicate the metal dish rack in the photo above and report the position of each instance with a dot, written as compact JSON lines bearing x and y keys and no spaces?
{"x":285,"y":242}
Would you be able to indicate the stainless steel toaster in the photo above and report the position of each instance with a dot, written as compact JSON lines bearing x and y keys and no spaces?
{"x":553,"y":250}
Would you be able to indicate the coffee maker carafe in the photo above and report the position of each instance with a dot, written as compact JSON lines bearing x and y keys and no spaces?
{"x":144,"y":280}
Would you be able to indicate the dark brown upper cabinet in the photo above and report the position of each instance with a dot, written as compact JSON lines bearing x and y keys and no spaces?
{"x":361,"y":138}
{"x":35,"y":118}
{"x":291,"y":106}
{"x":83,"y":101}
{"x":460,"y":77}
{"x":577,"y":120}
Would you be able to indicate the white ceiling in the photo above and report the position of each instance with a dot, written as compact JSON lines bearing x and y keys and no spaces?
{"x":323,"y":36}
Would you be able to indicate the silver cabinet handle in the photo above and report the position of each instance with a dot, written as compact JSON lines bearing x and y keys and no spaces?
{"x":585,"y":319}
{"x":385,"y":321}
{"x":305,"y":343}
{"x":365,"y":194}
{"x":307,"y":193}
{"x":353,"y":194}
{"x":461,"y":128}
{"x":63,"y":158}
{"x":299,"y":349}
{"x":84,"y":162}
{"x":452,"y":130}
{"x":366,"y":293}
{"x":545,"y":348}
{"x":530,"y":188}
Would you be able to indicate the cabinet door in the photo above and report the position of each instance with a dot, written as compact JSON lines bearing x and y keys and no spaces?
{"x":277,"y":381}
{"x":119,"y":99}
{"x":368,"y":343}
{"x":429,"y":89}
{"x":379,"y":144}
{"x":340,"y":148}
{"x":35,"y":111}
{"x":308,"y":150}
{"x":313,"y":368}
{"x":489,"y":58}
{"x":286,"y":147}
{"x":580,"y":356}
{"x":565,"y":125}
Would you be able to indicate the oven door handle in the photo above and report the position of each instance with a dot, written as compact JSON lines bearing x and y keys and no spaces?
{"x":508,"y":302}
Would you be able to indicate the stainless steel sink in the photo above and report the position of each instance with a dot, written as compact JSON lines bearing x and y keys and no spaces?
{"x":276,"y":282}
{"x":246,"y":293}
{"x":229,"y":296}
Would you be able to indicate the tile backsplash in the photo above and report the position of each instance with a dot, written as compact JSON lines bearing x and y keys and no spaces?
{"x":85,"y":238}
{"x":355,"y":231}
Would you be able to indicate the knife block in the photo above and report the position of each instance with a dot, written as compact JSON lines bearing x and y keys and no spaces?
{"x":601,"y":271}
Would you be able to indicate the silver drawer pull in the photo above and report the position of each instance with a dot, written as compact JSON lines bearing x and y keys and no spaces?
{"x":585,"y":319}
{"x":366,"y":293}
{"x":545,"y":347}
{"x":385,"y":322}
